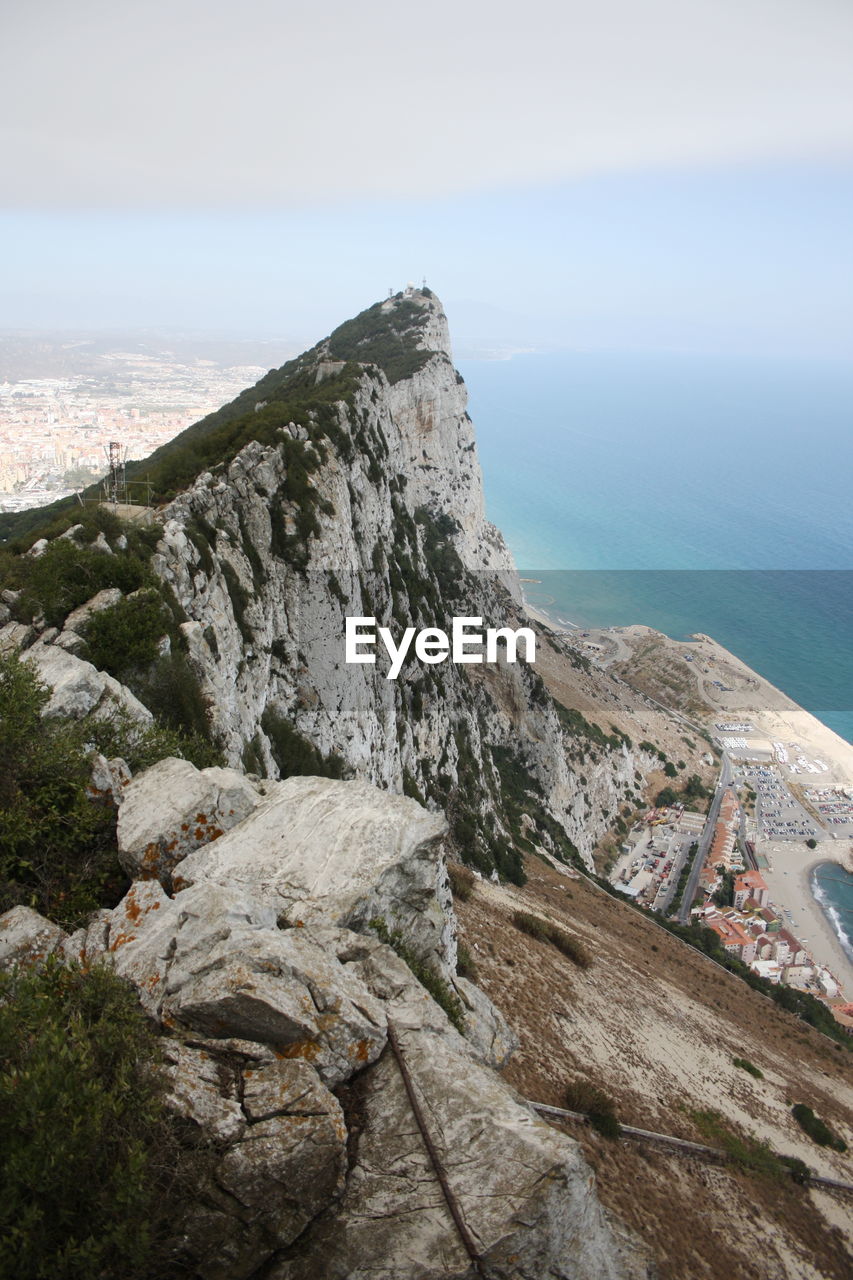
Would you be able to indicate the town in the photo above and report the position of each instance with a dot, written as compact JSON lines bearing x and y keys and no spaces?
{"x":708,"y":869}
{"x":62,"y":403}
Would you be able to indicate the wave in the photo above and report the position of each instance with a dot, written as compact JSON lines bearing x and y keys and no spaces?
{"x":830,"y":910}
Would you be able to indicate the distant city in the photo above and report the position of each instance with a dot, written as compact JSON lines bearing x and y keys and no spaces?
{"x":65,"y":397}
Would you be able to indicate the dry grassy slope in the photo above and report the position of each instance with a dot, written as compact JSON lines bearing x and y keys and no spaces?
{"x":657,"y":1026}
{"x":605,"y":698}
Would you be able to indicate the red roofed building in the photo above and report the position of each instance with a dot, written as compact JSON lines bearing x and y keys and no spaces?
{"x":751,"y":884}
{"x":733,"y":936}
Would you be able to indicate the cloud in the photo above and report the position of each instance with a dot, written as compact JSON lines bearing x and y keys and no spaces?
{"x":282,"y":102}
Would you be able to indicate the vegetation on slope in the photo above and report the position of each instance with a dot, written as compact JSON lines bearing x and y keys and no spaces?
{"x":817,"y":1130}
{"x":89,"y":1159}
{"x":387,"y":338}
{"x":57,"y":846}
{"x":125,"y":639}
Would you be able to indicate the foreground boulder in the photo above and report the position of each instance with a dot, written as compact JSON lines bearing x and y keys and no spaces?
{"x":340,"y":853}
{"x":173,"y":808}
{"x":79,"y":689}
{"x":26,"y":938}
{"x":213,"y":961}
{"x":524,"y":1190}
{"x":271,"y":991}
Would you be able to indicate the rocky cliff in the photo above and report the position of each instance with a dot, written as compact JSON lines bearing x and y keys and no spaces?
{"x":327,"y":1092}
{"x":286,"y":919}
{"x":370,"y":503}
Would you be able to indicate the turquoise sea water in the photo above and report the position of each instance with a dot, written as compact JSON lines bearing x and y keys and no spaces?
{"x":692,"y":494}
{"x":833,"y":888}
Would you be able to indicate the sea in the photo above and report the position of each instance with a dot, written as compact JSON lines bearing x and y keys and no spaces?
{"x":692,"y":493}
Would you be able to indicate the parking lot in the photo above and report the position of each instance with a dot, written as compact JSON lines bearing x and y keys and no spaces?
{"x":834,"y":807}
{"x":779,"y":815}
{"x":649,"y":872}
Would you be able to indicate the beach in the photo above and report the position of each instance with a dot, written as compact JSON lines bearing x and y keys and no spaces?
{"x":639,"y":652}
{"x":788,"y":880}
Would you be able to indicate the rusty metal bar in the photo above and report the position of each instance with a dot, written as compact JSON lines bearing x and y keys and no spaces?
{"x":681,"y":1144}
{"x":440,"y":1172}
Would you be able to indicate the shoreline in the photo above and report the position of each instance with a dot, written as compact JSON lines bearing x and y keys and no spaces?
{"x":776,"y":717}
{"x":793,"y":870}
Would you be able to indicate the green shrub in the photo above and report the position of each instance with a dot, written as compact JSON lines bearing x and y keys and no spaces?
{"x":293,"y":753}
{"x":746,"y":1065}
{"x":411,"y":788}
{"x":815,"y":1128}
{"x":387,"y":339}
{"x":66,"y":576}
{"x":126,"y":634}
{"x":170,"y":690}
{"x":240,"y":599}
{"x":593,"y":1102}
{"x":545,"y":931}
{"x":746,"y":1152}
{"x":465,"y":966}
{"x":798,"y":1169}
{"x":119,"y":735}
{"x":85,"y":1148}
{"x":57,"y":848}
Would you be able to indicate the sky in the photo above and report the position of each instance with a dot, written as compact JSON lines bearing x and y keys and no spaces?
{"x":665,"y":174}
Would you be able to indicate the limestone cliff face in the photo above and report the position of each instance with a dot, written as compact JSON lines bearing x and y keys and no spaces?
{"x":374,"y":507}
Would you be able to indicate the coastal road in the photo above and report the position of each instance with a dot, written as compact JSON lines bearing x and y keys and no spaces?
{"x":705,"y":841}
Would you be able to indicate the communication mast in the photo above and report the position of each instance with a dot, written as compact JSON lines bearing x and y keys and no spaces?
{"x":115,"y":483}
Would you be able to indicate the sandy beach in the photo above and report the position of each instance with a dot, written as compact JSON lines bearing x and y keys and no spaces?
{"x":789,"y":886}
{"x":774,"y":717}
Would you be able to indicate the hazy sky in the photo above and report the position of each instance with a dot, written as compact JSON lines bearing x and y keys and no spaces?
{"x":628,"y":172}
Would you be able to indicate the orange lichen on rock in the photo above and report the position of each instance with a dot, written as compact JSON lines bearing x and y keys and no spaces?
{"x":360,"y":1051}
{"x":131,"y":907}
{"x":307,"y":1049}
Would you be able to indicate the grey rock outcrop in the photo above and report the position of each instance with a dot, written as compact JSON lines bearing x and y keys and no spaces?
{"x":26,"y":938}
{"x":88,"y":945}
{"x":79,"y":617}
{"x":109,"y":780}
{"x":284,"y":1161}
{"x":340,"y":853}
{"x":204,"y":1091}
{"x":396,"y":502}
{"x":212,"y":961}
{"x":263,"y":1018}
{"x":15,"y":636}
{"x":173,"y":808}
{"x":532,"y":1210}
{"x":486,"y":1027}
{"x":79,"y":689}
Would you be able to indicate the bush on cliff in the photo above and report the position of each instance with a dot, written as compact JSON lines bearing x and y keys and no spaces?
{"x":57,"y":848}
{"x":86,"y":1150}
